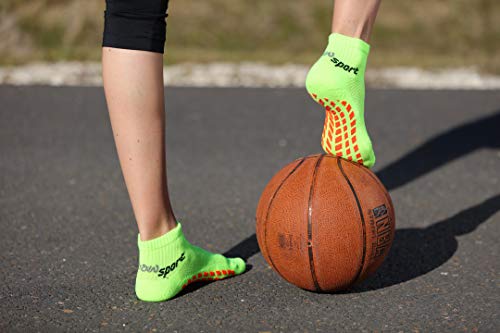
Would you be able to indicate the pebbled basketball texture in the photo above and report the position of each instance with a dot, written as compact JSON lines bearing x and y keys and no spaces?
{"x":324,"y":223}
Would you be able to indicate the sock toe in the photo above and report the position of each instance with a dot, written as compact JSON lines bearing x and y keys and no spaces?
{"x":238,"y":265}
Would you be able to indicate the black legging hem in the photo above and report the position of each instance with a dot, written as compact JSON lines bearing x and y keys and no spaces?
{"x":135,"y":24}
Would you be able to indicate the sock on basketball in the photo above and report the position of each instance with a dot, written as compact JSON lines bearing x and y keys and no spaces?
{"x":169,"y":263}
{"x":337,"y":82}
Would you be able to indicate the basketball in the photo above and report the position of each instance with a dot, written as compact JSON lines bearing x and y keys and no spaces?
{"x":324,"y":223}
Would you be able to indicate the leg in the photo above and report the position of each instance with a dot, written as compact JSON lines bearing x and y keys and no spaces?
{"x":133,"y":82}
{"x":132,"y":62}
{"x":355,"y":18}
{"x":336,"y":81}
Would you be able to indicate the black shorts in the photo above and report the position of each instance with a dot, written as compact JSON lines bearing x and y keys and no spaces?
{"x":135,"y":24}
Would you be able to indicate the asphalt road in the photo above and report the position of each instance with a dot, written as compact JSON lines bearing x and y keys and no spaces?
{"x":68,"y":238}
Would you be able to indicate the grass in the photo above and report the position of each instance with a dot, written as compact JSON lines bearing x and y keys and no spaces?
{"x":425,"y":33}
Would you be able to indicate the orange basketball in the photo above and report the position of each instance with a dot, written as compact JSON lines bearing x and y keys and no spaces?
{"x":324,"y":223}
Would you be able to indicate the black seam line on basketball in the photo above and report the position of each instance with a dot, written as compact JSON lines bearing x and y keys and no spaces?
{"x":389,"y":201}
{"x":362,"y":263}
{"x":309,"y":225}
{"x":386,"y":192}
{"x":372,"y":176}
{"x":269,"y":208}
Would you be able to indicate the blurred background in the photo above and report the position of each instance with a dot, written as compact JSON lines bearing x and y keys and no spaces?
{"x":431,"y":34}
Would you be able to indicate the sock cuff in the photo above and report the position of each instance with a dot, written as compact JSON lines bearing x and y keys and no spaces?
{"x":159,"y":242}
{"x":348,"y":43}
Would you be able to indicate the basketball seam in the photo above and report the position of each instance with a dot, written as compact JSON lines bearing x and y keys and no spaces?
{"x":389,"y":201}
{"x":309,"y":225}
{"x":363,"y":257}
{"x":268,"y":210}
{"x":386,"y":192}
{"x":373,"y":176}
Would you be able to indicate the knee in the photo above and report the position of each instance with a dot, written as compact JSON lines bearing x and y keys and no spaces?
{"x":135,"y":24}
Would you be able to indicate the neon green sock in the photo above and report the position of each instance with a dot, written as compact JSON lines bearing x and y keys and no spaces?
{"x":169,"y":263}
{"x":337,"y":82}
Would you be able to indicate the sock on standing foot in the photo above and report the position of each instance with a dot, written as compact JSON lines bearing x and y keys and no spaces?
{"x":169,"y":263}
{"x":337,"y":82}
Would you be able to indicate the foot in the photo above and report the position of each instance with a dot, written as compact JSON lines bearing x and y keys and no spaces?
{"x":336,"y":81}
{"x":169,"y":263}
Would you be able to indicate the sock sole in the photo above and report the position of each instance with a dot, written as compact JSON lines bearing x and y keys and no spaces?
{"x":209,"y":276}
{"x":340,"y":135}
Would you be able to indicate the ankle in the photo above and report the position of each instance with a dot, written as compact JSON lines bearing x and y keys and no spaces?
{"x":156,"y":228}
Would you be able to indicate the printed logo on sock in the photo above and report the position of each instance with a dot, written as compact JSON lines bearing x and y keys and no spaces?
{"x":329,"y":54}
{"x":167,"y":269}
{"x":149,"y":269}
{"x":344,"y":66}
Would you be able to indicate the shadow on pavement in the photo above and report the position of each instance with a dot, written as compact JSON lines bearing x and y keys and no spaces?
{"x":417,"y":251}
{"x":442,"y":149}
{"x":244,"y":249}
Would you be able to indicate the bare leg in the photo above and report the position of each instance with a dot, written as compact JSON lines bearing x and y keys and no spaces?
{"x":133,"y":83}
{"x":355,"y":18}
